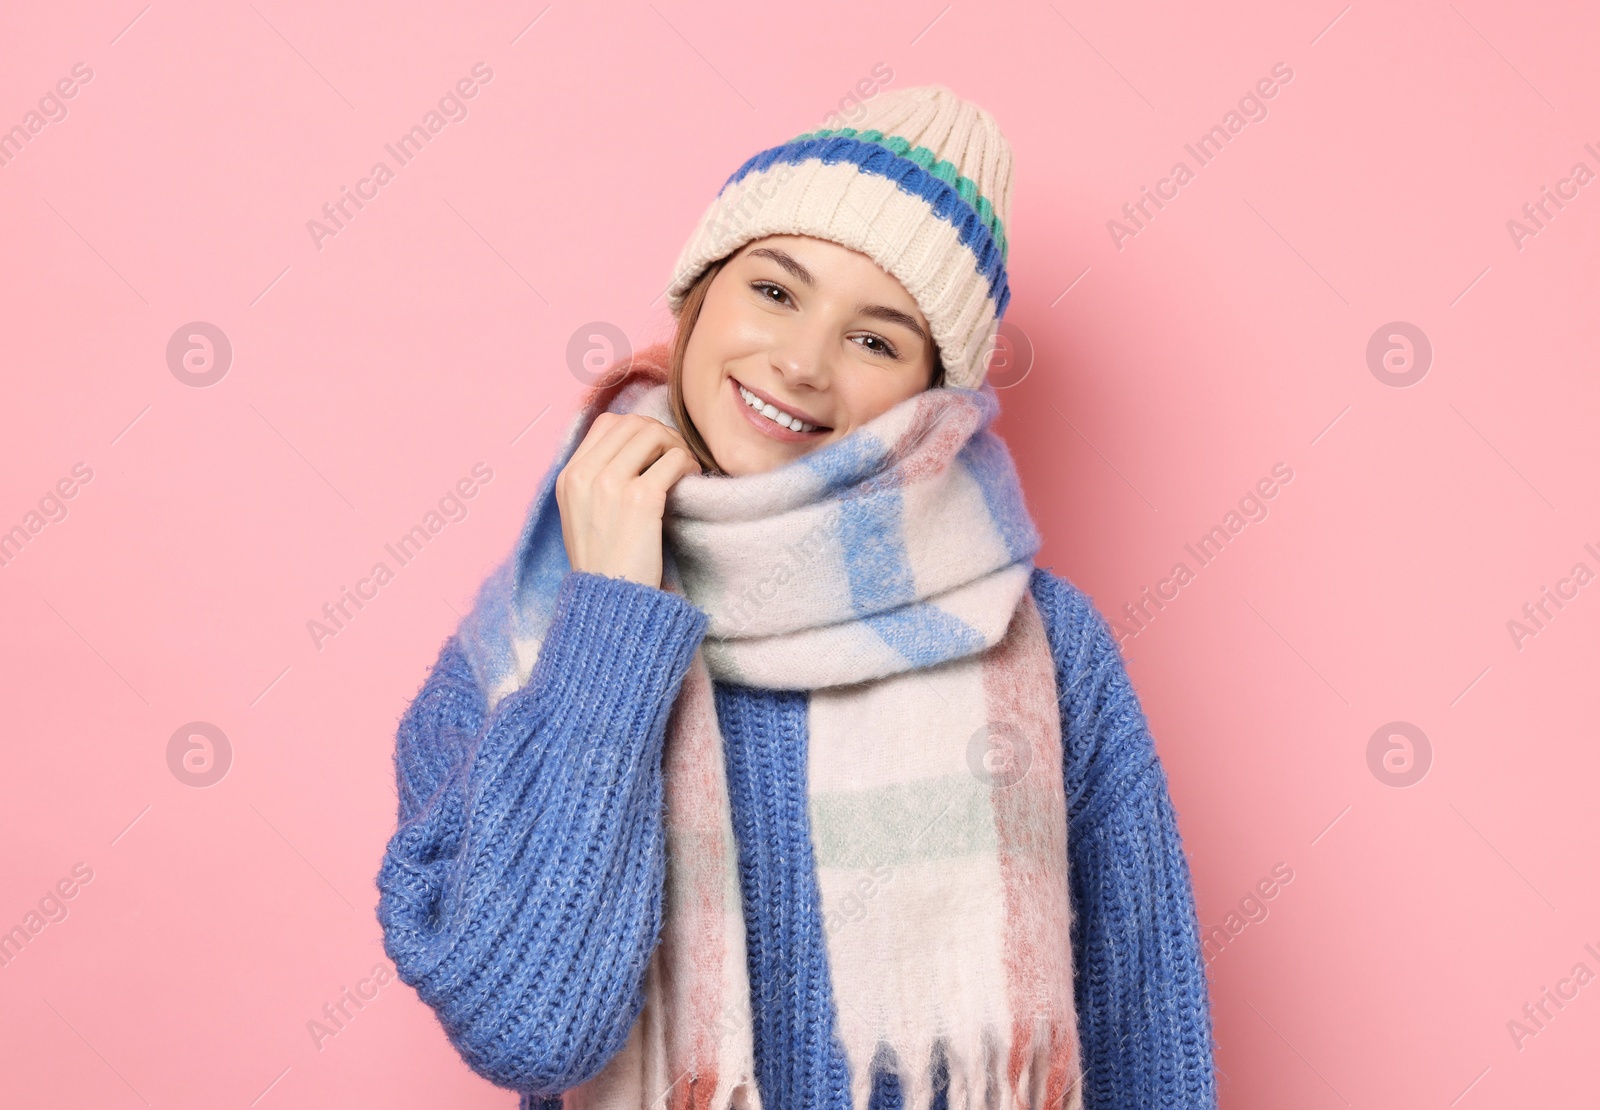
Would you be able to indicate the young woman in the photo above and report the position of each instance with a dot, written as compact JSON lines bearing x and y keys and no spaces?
{"x":768,"y":770}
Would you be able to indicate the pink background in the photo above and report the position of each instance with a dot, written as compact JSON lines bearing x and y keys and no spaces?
{"x":1228,"y":335}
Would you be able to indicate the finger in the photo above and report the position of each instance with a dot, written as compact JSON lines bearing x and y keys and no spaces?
{"x":676,"y":463}
{"x":651,"y":442}
{"x":606,"y":437}
{"x":675,"y":438}
{"x":631,"y":445}
{"x":604,"y":424}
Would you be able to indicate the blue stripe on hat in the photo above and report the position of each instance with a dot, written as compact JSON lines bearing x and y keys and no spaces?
{"x":872,"y":158}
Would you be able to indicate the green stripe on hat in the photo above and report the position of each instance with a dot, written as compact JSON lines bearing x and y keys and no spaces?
{"x":938,"y":167}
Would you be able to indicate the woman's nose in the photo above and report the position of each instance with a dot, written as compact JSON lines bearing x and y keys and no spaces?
{"x":802,"y":357}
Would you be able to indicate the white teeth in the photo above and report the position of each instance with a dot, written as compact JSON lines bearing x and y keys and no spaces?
{"x":773,"y":414}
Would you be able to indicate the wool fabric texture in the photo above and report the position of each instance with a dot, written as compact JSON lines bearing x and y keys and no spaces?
{"x":922,"y":186}
{"x":935,"y":766}
{"x":520,"y":892}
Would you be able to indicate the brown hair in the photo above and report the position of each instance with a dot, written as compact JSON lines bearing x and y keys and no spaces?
{"x":687,"y":316}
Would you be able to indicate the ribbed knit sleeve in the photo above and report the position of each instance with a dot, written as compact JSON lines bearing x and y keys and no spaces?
{"x":1144,"y":1016}
{"x":521,"y":892}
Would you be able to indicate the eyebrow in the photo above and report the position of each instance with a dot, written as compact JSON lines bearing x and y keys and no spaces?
{"x":876,"y":311}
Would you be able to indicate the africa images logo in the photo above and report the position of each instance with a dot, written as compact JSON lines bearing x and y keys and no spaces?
{"x":452,"y":108}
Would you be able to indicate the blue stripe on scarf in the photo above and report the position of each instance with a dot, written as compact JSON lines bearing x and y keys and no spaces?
{"x":877,"y":567}
{"x":844,"y":461}
{"x":986,"y":459}
{"x":546,"y":551}
{"x":946,"y":203}
{"x":872,"y":542}
{"x":883,"y":588}
{"x":923,"y":634}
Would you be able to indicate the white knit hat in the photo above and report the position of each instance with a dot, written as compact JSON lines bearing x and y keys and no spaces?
{"x":922,"y":186}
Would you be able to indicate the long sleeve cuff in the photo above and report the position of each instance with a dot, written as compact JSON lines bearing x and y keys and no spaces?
{"x":607,"y":636}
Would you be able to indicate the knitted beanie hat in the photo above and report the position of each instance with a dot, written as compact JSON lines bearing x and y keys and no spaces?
{"x":922,"y":186}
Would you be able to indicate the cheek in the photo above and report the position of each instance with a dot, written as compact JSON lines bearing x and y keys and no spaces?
{"x":867,"y":397}
{"x":724,"y":335}
{"x":699,"y":383}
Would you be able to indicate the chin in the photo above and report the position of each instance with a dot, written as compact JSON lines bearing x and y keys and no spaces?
{"x":744,"y":459}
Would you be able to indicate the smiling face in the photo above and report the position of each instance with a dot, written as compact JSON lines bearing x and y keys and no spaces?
{"x":819,"y":335}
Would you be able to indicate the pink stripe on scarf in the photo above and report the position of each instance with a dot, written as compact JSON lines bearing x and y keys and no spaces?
{"x":923,"y":457}
{"x":1038,"y":944}
{"x":649,"y":364}
{"x":691,"y":764}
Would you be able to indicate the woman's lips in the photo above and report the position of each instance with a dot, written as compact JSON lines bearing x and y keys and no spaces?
{"x":769,"y":427}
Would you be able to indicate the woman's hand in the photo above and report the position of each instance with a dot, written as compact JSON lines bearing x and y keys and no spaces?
{"x":613,"y":493}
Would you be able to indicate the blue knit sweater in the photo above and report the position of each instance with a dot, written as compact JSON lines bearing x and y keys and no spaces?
{"x":521,"y":895}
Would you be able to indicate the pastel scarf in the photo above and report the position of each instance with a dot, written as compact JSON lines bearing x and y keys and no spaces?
{"x":887,"y":573}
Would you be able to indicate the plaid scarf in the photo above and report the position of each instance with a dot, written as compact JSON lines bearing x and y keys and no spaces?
{"x":887,"y":573}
